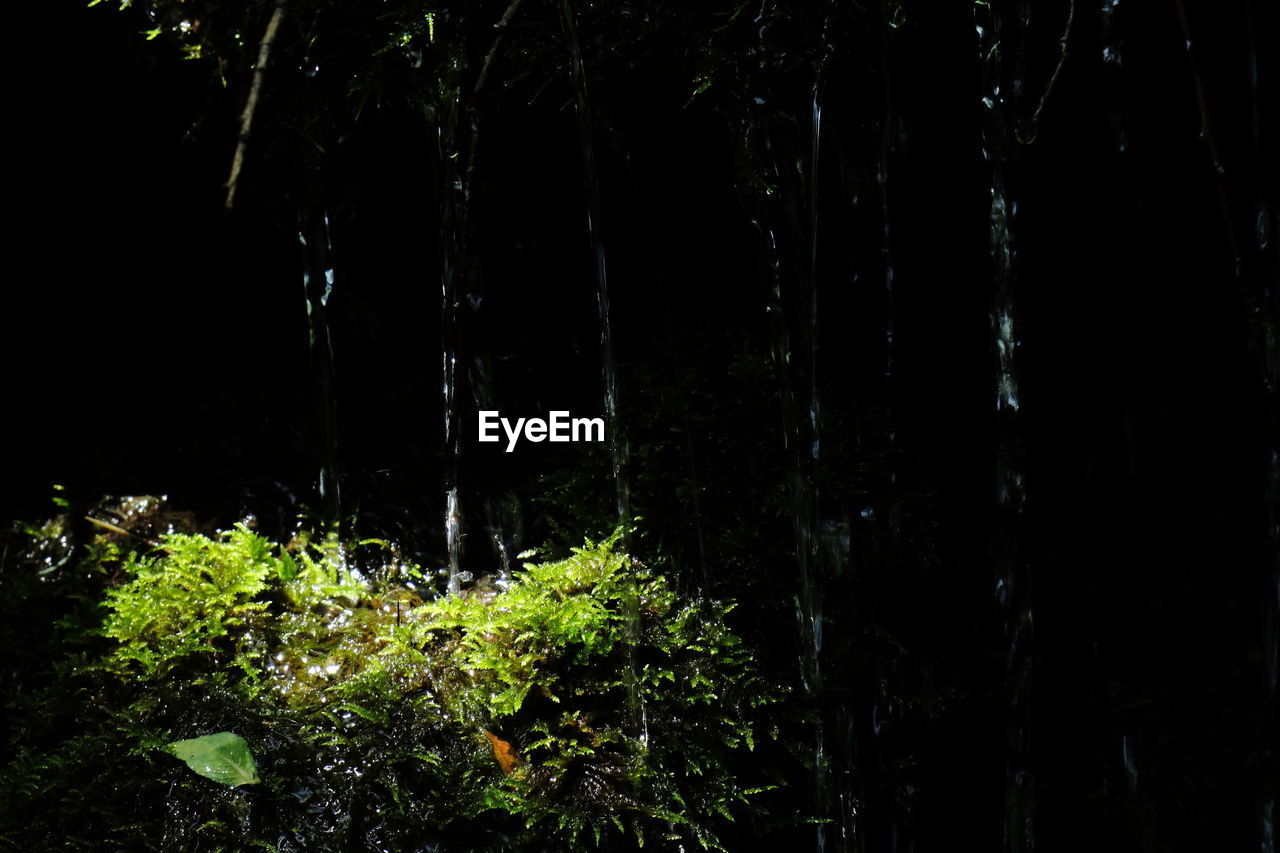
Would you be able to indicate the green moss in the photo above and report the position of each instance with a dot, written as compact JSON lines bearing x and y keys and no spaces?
{"x":196,"y":596}
{"x":581,"y":703}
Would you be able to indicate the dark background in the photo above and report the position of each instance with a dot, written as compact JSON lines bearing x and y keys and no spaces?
{"x":154,"y":343}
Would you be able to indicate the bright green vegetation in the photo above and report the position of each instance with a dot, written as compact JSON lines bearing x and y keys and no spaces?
{"x":582,"y":706}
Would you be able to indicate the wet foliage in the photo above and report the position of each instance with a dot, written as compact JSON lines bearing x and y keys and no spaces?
{"x":379,"y":716}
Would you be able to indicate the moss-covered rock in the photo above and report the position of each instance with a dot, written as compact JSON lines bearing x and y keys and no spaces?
{"x":578,"y":703}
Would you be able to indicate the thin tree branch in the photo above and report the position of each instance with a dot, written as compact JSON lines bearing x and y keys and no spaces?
{"x":501,"y":28}
{"x":1210,"y":142}
{"x":1062,"y":60}
{"x":1254,"y":312}
{"x":472,"y":112}
{"x":251,"y":103}
{"x":106,"y":525}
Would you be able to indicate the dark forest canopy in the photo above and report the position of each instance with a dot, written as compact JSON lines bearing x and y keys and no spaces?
{"x":333,"y":62}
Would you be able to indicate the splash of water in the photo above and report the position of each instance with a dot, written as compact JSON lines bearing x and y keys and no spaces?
{"x":506,"y":529}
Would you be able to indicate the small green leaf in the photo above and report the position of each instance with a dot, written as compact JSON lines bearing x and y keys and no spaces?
{"x":223,"y":757}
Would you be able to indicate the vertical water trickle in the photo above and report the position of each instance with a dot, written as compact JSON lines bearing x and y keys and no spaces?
{"x":1012,"y":572}
{"x":1130,"y":764}
{"x":1271,"y":580}
{"x":811,"y":190}
{"x":608,"y":364}
{"x":1268,"y":837}
{"x":1207,"y":136}
{"x":801,"y":499}
{"x":503,"y":521}
{"x":452,"y":429}
{"x":1113,"y":60}
{"x":1262,"y":218}
{"x":456,"y":119}
{"x":1271,"y":616}
{"x":805,"y":494}
{"x":452,"y":225}
{"x":453,"y":538}
{"x":882,"y":148}
{"x":661,"y":282}
{"x":1267,"y":268}
{"x":318,"y":279}
{"x":887,"y":824}
{"x":1271,"y":599}
{"x":796,"y":368}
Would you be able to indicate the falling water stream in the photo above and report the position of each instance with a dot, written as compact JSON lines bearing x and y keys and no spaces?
{"x":1011,"y":571}
{"x":1271,"y":598}
{"x":1271,"y":577}
{"x":1113,"y":61}
{"x":881,"y":166}
{"x":805,"y":496}
{"x":616,"y":437}
{"x":608,"y":361}
{"x":1268,"y":271}
{"x":801,"y":435}
{"x":452,"y":252}
{"x":885,"y":525}
{"x":318,"y":278}
{"x":502,"y":512}
{"x":456,"y":121}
